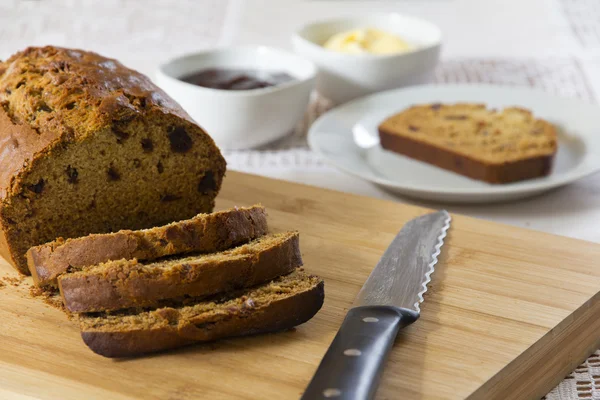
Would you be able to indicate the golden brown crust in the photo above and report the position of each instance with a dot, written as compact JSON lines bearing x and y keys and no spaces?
{"x":205,"y":233}
{"x":127,"y":284}
{"x":489,"y":145}
{"x":284,"y":313}
{"x":100,"y":84}
{"x":103,"y":89}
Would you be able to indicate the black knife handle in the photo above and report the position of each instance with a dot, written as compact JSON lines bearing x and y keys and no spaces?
{"x":352,"y":366}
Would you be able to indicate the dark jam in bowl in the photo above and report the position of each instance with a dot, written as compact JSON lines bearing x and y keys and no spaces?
{"x":236,"y":79}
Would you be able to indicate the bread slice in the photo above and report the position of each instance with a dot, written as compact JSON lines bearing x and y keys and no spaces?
{"x":206,"y":233}
{"x":493,"y":146}
{"x":280,"y":304}
{"x":88,"y":145}
{"x":126,"y":283}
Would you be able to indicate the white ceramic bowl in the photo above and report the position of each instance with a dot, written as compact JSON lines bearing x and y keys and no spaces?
{"x":343,"y":77}
{"x":238,"y":119}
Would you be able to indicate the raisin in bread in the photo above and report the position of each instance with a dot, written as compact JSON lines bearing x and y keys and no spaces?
{"x":281,"y":304}
{"x":127,"y":283}
{"x":469,"y":139}
{"x":90,"y":146}
{"x":205,"y":233}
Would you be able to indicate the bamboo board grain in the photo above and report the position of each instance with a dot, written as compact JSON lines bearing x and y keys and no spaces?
{"x":510,"y":312}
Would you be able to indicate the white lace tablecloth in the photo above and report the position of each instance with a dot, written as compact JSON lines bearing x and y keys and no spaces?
{"x":553,"y":45}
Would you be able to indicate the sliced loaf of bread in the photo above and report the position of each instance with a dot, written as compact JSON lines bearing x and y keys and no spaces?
{"x":88,"y":145}
{"x":206,"y":233}
{"x":127,"y":283}
{"x":281,"y":304}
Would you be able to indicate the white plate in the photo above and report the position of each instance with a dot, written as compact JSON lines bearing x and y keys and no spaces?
{"x":346,"y":137}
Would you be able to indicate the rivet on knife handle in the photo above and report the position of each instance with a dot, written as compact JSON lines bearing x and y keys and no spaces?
{"x":351,"y":368}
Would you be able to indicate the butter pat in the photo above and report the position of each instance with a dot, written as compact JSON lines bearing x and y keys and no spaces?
{"x":367,"y":40}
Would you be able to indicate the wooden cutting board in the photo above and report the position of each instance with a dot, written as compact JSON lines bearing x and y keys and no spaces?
{"x":510,"y":313}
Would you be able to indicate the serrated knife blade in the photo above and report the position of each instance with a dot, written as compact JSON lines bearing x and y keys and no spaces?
{"x":388,"y":301}
{"x":401,"y":276}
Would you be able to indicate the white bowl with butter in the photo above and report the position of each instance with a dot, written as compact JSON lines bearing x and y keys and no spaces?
{"x":357,"y":56}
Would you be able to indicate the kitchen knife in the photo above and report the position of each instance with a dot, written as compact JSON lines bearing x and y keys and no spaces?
{"x":388,"y":301}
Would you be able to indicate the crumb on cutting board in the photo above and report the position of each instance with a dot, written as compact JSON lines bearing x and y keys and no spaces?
{"x":50,"y":297}
{"x":11,"y":280}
